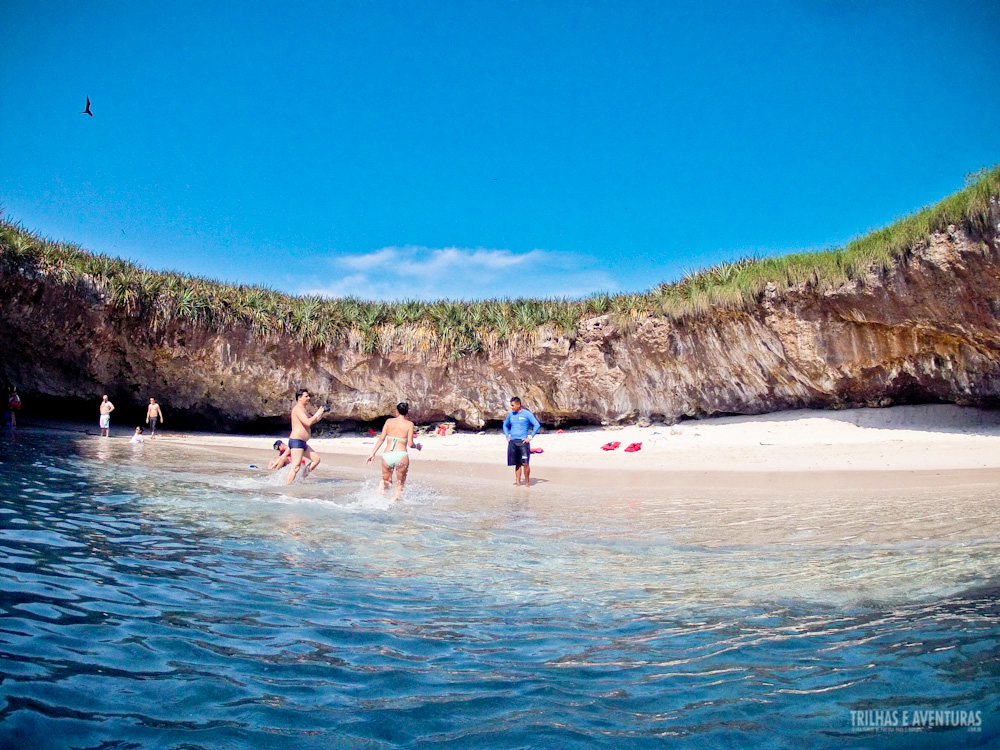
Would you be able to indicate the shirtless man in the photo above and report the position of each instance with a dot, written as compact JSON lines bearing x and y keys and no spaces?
{"x":106,"y":408}
{"x":153,"y":413}
{"x":398,"y":431}
{"x":301,"y":432}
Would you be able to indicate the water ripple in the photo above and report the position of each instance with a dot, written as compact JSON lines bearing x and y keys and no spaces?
{"x":168,"y":602}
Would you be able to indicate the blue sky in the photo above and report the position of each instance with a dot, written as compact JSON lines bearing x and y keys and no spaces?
{"x":485,"y":149}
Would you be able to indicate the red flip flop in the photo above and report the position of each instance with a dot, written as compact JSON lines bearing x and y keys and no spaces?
{"x":538,"y":450}
{"x":609,"y":446}
{"x":634,"y":447}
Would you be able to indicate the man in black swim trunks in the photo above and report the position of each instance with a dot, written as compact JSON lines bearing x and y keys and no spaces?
{"x":153,"y":412}
{"x":519,"y":427}
{"x":301,"y":432}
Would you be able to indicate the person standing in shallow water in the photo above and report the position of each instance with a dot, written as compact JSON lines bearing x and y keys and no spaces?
{"x":298,"y":440}
{"x":106,"y":408}
{"x":397,"y":434}
{"x":519,"y":427}
{"x":13,"y":406}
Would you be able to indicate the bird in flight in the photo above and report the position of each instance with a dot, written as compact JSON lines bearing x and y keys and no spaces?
{"x":87,"y":110}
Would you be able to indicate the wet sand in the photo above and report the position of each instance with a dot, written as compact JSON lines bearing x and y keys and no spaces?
{"x":921,"y":475}
{"x":908,"y":446}
{"x":892,"y":448}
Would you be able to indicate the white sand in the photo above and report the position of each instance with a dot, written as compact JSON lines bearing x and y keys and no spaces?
{"x":914,"y":475}
{"x":932,"y":438}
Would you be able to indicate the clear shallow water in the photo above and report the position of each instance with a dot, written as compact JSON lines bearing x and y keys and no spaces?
{"x":168,"y":598}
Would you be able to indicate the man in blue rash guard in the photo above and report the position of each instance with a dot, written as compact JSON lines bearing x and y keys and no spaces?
{"x":519,"y":427}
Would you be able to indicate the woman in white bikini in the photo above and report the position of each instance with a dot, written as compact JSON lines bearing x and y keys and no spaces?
{"x":397,"y":434}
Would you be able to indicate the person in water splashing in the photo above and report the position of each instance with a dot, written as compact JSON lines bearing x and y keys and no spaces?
{"x":397,"y":434}
{"x":301,"y":432}
{"x":284,"y":456}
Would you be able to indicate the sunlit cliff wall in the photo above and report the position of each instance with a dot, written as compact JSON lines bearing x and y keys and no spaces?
{"x":924,"y":330}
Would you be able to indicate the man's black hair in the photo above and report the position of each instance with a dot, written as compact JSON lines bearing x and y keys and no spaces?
{"x":515,"y":399}
{"x":299,"y":392}
{"x":277,"y":444}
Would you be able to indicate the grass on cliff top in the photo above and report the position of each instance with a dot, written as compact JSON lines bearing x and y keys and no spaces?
{"x":159,"y":299}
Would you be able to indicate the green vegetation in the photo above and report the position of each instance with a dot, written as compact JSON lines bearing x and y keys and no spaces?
{"x":463,"y":328}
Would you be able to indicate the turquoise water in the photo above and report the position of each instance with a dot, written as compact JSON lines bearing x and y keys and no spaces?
{"x":163,"y":597}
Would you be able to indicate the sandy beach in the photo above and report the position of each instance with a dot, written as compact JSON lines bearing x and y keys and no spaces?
{"x":930,"y":445}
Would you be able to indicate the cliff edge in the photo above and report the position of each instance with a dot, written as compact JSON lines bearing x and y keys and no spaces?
{"x":922,"y":327}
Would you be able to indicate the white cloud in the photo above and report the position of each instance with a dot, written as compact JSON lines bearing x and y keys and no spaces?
{"x":394,"y":273}
{"x":367,"y":260}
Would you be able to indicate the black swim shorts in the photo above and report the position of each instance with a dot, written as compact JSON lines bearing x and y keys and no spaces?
{"x":518,"y":452}
{"x":294,"y":443}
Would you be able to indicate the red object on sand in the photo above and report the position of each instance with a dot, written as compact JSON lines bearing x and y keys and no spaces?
{"x":609,"y":446}
{"x":538,"y":450}
{"x":560,"y":432}
{"x":634,"y":447}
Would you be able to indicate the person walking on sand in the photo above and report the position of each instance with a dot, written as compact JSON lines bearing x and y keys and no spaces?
{"x":106,"y":408}
{"x":519,"y":427}
{"x":301,"y":432}
{"x":397,"y":434}
{"x":153,"y":412}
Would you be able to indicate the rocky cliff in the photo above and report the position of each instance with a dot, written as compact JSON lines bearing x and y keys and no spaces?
{"x":924,"y":329}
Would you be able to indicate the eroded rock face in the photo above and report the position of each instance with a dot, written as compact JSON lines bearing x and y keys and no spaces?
{"x":927,"y":330}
